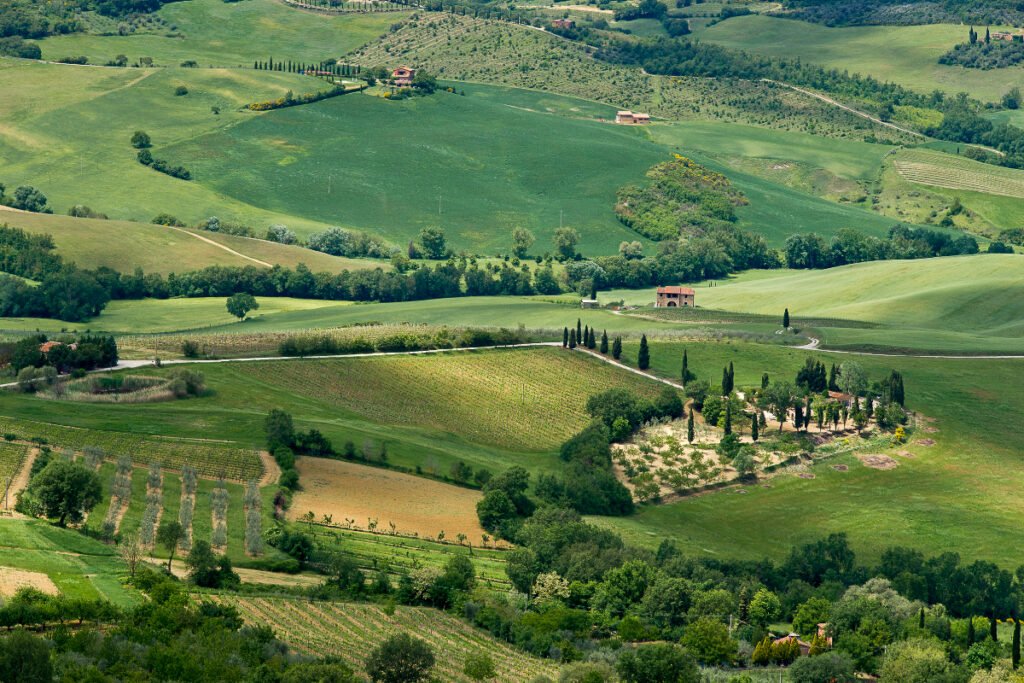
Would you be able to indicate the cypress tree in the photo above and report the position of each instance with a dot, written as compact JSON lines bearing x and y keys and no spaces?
{"x":798,"y":416}
{"x":988,"y":39}
{"x":579,"y":329}
{"x":565,"y":337}
{"x":617,"y":348}
{"x":572,"y":339}
{"x":685,"y":372}
{"x":585,"y":340}
{"x":689,"y":427}
{"x":732,"y":377}
{"x":593,"y":291}
{"x":764,"y":381}
{"x":970,"y":631}
{"x":992,"y":630}
{"x":832,"y":374}
{"x":592,"y":342}
{"x":727,"y":426}
{"x":255,"y":64}
{"x":753,"y":426}
{"x":271,"y":64}
{"x":643,"y":356}
{"x":604,"y":341}
{"x":1015,"y":651}
{"x":920,"y":618}
{"x":785,"y":319}
{"x":726,"y":389}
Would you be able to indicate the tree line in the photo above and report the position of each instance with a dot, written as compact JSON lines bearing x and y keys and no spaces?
{"x":811,"y":250}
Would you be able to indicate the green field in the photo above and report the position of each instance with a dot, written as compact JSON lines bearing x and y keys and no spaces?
{"x":349,"y":630}
{"x":79,"y":566}
{"x":215,"y":33}
{"x":907,"y":55}
{"x":487,"y":408}
{"x":960,"y":495}
{"x":944,"y":304}
{"x":370,"y":163}
{"x":124,"y":246}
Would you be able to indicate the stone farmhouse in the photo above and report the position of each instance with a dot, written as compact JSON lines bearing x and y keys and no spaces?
{"x":632,"y":118}
{"x":403,"y":76}
{"x":563,"y":23}
{"x":674,"y":297}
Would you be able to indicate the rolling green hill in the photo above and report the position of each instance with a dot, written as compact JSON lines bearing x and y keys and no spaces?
{"x":124,"y":246}
{"x":907,"y":55}
{"x":217,"y":33}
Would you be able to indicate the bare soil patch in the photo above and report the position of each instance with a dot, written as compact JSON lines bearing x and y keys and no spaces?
{"x":347,"y":491}
{"x":905,"y":454}
{"x":11,"y":580}
{"x":271,"y":470}
{"x":878,"y":462}
{"x":929,"y":430}
{"x":841,"y":468}
{"x":805,"y":475}
{"x":926,"y":442}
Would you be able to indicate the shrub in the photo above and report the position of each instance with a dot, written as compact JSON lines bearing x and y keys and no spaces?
{"x":180,"y":91}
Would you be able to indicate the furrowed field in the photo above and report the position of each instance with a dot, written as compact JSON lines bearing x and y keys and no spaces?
{"x":350,"y":630}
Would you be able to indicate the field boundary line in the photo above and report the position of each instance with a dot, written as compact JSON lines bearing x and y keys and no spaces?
{"x":19,"y":482}
{"x":635,"y":371}
{"x":221,"y":246}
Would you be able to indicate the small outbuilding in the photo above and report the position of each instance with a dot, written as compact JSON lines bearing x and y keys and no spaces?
{"x":631,"y":117}
{"x":674,"y":297}
{"x":589,"y":303}
{"x":563,"y":23}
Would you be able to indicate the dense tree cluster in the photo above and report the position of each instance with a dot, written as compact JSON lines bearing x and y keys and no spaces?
{"x":682,"y":199}
{"x":904,"y":12}
{"x":322,"y":344}
{"x":849,"y":246}
{"x":65,"y":354}
{"x":985,"y":55}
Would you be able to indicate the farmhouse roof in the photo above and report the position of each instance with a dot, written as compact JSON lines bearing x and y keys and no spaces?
{"x":46,"y":347}
{"x":675,"y":290}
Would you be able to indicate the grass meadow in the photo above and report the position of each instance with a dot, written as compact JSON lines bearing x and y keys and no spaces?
{"x":907,"y":55}
{"x":215,"y":33}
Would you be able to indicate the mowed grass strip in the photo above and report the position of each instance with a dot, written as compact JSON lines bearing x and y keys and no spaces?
{"x":952,"y":172}
{"x":11,"y":458}
{"x":351,"y":630}
{"x":345,"y":490}
{"x":522,"y":399}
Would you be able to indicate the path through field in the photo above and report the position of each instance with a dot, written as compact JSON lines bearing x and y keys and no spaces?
{"x":19,"y":484}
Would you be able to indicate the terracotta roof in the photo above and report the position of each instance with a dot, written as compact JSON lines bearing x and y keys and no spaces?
{"x":675,"y":290}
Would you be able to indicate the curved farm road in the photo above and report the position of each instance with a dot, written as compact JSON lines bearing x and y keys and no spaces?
{"x":221,"y":246}
{"x":814,"y":345}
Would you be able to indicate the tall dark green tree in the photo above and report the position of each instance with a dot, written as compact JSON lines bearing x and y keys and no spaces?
{"x":643,"y":356}
{"x":684,"y":373}
{"x":753,"y":426}
{"x":617,"y":348}
{"x":572,"y":339}
{"x":764,"y":380}
{"x":565,"y":337}
{"x":727,"y":426}
{"x":970,"y":631}
{"x":732,"y":377}
{"x":579,"y":329}
{"x":785,"y":319}
{"x":604,"y":341}
{"x":689,"y":427}
{"x":585,"y":339}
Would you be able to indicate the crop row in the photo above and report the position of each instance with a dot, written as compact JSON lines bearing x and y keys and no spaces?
{"x":219,"y":460}
{"x":519,"y":399}
{"x":350,"y":631}
{"x":11,"y":457}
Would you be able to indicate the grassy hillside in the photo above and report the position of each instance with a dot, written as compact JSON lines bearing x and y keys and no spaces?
{"x":349,"y":631}
{"x":124,"y":246}
{"x":371,"y":163}
{"x":77,"y":150}
{"x":907,"y":55}
{"x":80,"y":567}
{"x":958,"y":495}
{"x":216,"y":33}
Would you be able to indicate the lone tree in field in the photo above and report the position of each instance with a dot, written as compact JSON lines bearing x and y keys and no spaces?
{"x":522,"y":240}
{"x":785,"y":319}
{"x":169,"y":535}
{"x":400,"y":659}
{"x":66,"y":490}
{"x":643,"y":356}
{"x":130,"y":550}
{"x":240,"y":304}
{"x":140,"y":140}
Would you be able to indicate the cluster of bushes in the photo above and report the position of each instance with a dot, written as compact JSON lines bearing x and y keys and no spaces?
{"x":146,"y":158}
{"x":683,"y":199}
{"x":985,"y":55}
{"x":26,"y":198}
{"x":849,"y":246}
{"x":284,"y":441}
{"x":291,"y":100}
{"x":351,"y":243}
{"x":325,"y":344}
{"x":85,"y":352}
{"x":16,"y":46}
